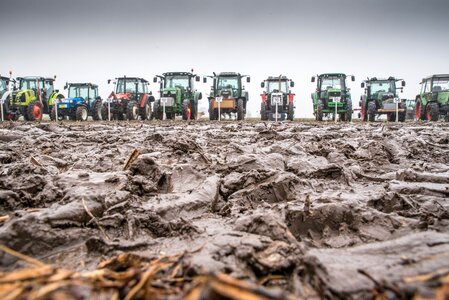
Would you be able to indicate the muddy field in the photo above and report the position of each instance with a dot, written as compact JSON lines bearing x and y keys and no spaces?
{"x":309,"y":210}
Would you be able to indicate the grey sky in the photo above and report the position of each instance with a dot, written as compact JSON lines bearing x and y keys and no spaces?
{"x":93,"y":40}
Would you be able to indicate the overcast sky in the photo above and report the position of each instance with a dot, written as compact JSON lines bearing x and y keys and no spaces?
{"x":93,"y":40}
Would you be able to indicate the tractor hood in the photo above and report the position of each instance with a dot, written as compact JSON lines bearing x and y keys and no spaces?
{"x":170,"y":91}
{"x":226,"y":93}
{"x":70,"y":100}
{"x":385,"y":96}
{"x":443,"y":97}
{"x":121,"y":96}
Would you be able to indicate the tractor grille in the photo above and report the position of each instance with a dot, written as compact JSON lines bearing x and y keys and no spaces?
{"x":169,"y":101}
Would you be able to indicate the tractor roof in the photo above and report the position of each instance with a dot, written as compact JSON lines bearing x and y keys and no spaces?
{"x":178,"y":73}
{"x":4,"y":78}
{"x":133,"y":78}
{"x":332,"y":75}
{"x":230,"y":74}
{"x":382,"y":79}
{"x":83,"y":84}
{"x":437,"y":76}
{"x":276,"y":78}
{"x":36,"y":78}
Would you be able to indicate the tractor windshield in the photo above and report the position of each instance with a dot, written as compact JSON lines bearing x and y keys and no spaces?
{"x":276,"y":86}
{"x":384,"y":86}
{"x":228,"y":83}
{"x":177,"y":81}
{"x":3,"y":85}
{"x":440,"y":84}
{"x":332,"y":82}
{"x":126,"y":86}
{"x":28,"y":84}
{"x":81,"y":91}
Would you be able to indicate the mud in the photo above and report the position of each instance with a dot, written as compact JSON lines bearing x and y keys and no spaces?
{"x":317,"y":210}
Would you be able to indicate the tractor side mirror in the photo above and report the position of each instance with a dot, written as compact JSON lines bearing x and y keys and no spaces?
{"x":352,"y":78}
{"x":66,"y":86}
{"x":57,"y":91}
{"x":403,"y":83}
{"x":248,"y":79}
{"x":197,"y":78}
{"x":154,"y":79}
{"x":204,"y":79}
{"x":313,"y":79}
{"x":109,"y":81}
{"x":262,"y":84}
{"x":292,"y":84}
{"x":362,"y":85}
{"x":150,"y":93}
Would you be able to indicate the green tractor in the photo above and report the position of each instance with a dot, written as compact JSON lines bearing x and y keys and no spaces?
{"x":332,"y":96}
{"x":35,"y":96}
{"x":433,"y":99}
{"x":178,"y":94}
{"x":228,"y":93}
{"x":379,"y":98}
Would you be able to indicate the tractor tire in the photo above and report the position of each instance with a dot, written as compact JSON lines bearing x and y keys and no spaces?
{"x":81,"y":113}
{"x":432,"y":112}
{"x":157,"y":112}
{"x":185,"y":107}
{"x":97,"y":110}
{"x":145,"y":111}
{"x":240,"y":110}
{"x":104,"y":112}
{"x":132,"y":111}
{"x":364,"y":115}
{"x":263,"y":112}
{"x":193,"y":109}
{"x":290,"y":112}
{"x":319,"y":110}
{"x":391,"y":117}
{"x":53,"y":113}
{"x":419,"y":111}
{"x":34,"y":111}
{"x":213,"y":113}
{"x":347,"y":116}
{"x":371,"y":111}
{"x":119,"y":116}
{"x":402,"y":116}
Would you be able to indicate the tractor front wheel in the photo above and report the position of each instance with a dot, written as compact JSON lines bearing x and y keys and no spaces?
{"x":81,"y":113}
{"x":53,"y":114}
{"x":290,"y":112}
{"x":319,"y":110}
{"x":348,"y":114}
{"x":240,"y":110}
{"x":193,"y":109}
{"x":432,"y":112}
{"x":34,"y":111}
{"x":371,"y":111}
{"x":213,"y":113}
{"x":419,"y":112}
{"x":104,"y":112}
{"x":132,"y":110}
{"x":185,"y":109}
{"x":97,"y":110}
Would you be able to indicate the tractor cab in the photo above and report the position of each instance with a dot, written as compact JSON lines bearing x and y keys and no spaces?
{"x":331,"y":85}
{"x":82,"y":91}
{"x":4,"y":85}
{"x":433,"y":99}
{"x":277,"y":91}
{"x":381,"y":90}
{"x":131,"y":87}
{"x":228,"y":85}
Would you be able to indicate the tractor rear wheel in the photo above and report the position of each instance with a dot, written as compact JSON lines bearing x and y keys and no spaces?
{"x":347,"y":116}
{"x":34,"y":111}
{"x":319,"y":110}
{"x":391,"y":117}
{"x":157,"y":112}
{"x":240,"y":110}
{"x":290,"y":112}
{"x":193,"y":109}
{"x":53,"y":113}
{"x":81,"y":113}
{"x":432,"y":112}
{"x":145,"y":111}
{"x":97,"y":110}
{"x":104,"y":112}
{"x":263,"y":112}
{"x":371,"y":111}
{"x":185,"y":109}
{"x":132,"y":110}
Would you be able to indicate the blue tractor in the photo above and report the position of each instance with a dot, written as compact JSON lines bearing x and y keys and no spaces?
{"x":82,"y":101}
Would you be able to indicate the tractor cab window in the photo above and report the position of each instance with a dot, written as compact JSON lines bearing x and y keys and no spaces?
{"x":3,"y":85}
{"x":440,"y":84}
{"x":29,"y":84}
{"x":334,"y":82}
{"x":126,"y":86}
{"x":427,"y":88}
{"x":182,"y":82}
{"x":228,"y":83}
{"x":80,"y":92}
{"x":276,"y":86}
{"x":382,"y":87}
{"x":49,"y":87}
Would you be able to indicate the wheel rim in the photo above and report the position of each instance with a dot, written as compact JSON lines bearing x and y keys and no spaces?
{"x":84,"y":114}
{"x":418,"y":111}
{"x":37,"y":112}
{"x":363,"y":112}
{"x":428,"y":113}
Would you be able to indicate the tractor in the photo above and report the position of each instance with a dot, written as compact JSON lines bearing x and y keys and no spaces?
{"x":82,"y":101}
{"x":332,"y":96}
{"x":4,"y":95}
{"x":178,"y":95}
{"x":433,"y":99}
{"x":35,"y":96}
{"x":379,"y":98}
{"x":228,"y":94}
{"x":277,"y":91}
{"x":130,"y":100}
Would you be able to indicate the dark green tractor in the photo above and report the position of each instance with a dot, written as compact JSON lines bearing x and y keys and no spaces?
{"x":178,"y":94}
{"x":332,"y":95}
{"x":379,"y":98}
{"x":35,"y":96}
{"x":229,"y":93}
{"x":433,"y":100}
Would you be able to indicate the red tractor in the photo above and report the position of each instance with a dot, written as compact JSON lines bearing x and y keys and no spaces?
{"x":130,"y":100}
{"x":277,"y":91}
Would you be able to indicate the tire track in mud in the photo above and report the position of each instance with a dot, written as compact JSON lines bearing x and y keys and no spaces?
{"x":301,"y":200}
